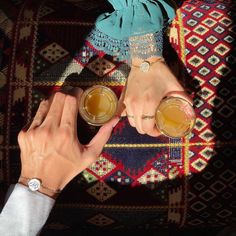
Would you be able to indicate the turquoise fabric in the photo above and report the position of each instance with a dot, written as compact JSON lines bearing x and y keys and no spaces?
{"x":134,"y":17}
{"x":131,"y":18}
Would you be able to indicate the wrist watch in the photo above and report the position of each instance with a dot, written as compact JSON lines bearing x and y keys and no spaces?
{"x":34,"y":184}
{"x":145,"y":65}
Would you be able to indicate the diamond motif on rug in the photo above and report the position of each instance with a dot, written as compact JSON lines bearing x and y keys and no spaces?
{"x":199,"y":164}
{"x":226,"y":111}
{"x":102,"y":166}
{"x":215,"y":101}
{"x":100,"y":220}
{"x":198,"y":103}
{"x":101,"y":191}
{"x":214,"y":81}
{"x":203,"y":50}
{"x":218,"y":186}
{"x":232,"y":101}
{"x":151,"y":176}
{"x":229,"y":39}
{"x":219,"y":29}
{"x":194,"y":40}
{"x":211,"y":39}
{"x":200,"y":124}
{"x":192,"y":22}
{"x":189,"y":8}
{"x":207,"y":195}
{"x":201,"y":29}
{"x":205,"y":93}
{"x":198,"y":206}
{"x":224,"y":213}
{"x":207,"y":135}
{"x":45,"y":10}
{"x":226,"y":21}
{"x":208,"y":153}
{"x":216,"y":14}
{"x":195,"y":222}
{"x":209,"y":22}
{"x":204,"y":71}
{"x":195,"y":61}
{"x":53,"y":52}
{"x":207,"y":175}
{"x":222,"y":49}
{"x":198,"y":14}
{"x":213,"y":60}
{"x":101,"y":66}
{"x":227,"y":175}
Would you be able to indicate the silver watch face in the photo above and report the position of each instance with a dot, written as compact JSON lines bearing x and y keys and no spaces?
{"x":34,"y":184}
{"x":145,"y":66}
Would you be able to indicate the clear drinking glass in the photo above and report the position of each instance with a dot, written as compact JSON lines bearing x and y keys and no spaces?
{"x":98,"y":105}
{"x":175,"y":117}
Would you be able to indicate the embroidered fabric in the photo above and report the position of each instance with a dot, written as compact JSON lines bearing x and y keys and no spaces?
{"x":141,"y":46}
{"x":134,"y":29}
{"x":145,"y":46}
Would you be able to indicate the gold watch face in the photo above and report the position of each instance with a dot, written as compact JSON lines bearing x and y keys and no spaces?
{"x":175,"y":117}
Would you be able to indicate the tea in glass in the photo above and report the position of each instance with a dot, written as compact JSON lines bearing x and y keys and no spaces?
{"x":98,"y":105}
{"x":175,"y":117}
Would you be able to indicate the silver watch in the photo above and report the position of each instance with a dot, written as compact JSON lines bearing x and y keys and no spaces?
{"x":34,"y":184}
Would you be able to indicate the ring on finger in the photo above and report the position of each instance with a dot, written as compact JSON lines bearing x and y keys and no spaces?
{"x":130,"y":116}
{"x":147,"y":117}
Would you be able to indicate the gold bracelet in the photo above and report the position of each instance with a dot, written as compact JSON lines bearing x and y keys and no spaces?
{"x":145,"y":65}
{"x":35,"y":184}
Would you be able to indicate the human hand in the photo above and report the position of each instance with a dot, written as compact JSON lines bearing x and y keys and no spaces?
{"x":50,"y":150}
{"x":145,"y":90}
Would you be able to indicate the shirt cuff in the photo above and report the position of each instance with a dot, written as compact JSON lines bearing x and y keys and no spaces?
{"x":126,"y":32}
{"x":25,"y":212}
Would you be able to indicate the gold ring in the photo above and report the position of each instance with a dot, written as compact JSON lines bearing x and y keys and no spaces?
{"x":145,"y":117}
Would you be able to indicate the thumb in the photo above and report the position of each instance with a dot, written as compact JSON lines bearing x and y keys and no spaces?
{"x":100,"y":139}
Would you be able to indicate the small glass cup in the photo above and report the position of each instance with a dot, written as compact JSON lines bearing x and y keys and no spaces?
{"x":175,"y":117}
{"x":98,"y":105}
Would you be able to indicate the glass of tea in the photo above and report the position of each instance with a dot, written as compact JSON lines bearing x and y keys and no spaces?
{"x":175,"y":117}
{"x":98,"y":105}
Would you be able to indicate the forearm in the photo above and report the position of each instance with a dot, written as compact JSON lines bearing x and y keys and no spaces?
{"x":25,"y":212}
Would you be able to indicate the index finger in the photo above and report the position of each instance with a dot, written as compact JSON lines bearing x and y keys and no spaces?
{"x":70,"y":109}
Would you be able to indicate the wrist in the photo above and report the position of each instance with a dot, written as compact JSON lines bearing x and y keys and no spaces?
{"x":35,"y":184}
{"x":138,"y":61}
{"x":145,"y":65}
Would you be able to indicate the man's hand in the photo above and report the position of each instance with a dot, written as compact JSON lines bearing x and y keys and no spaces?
{"x":50,"y":150}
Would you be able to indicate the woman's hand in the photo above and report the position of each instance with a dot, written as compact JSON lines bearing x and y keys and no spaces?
{"x":145,"y":90}
{"x":50,"y":150}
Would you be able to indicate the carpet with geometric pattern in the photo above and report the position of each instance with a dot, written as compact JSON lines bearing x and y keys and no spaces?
{"x":139,"y":182}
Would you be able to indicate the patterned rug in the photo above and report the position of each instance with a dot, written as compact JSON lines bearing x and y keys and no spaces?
{"x":139,"y":182}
